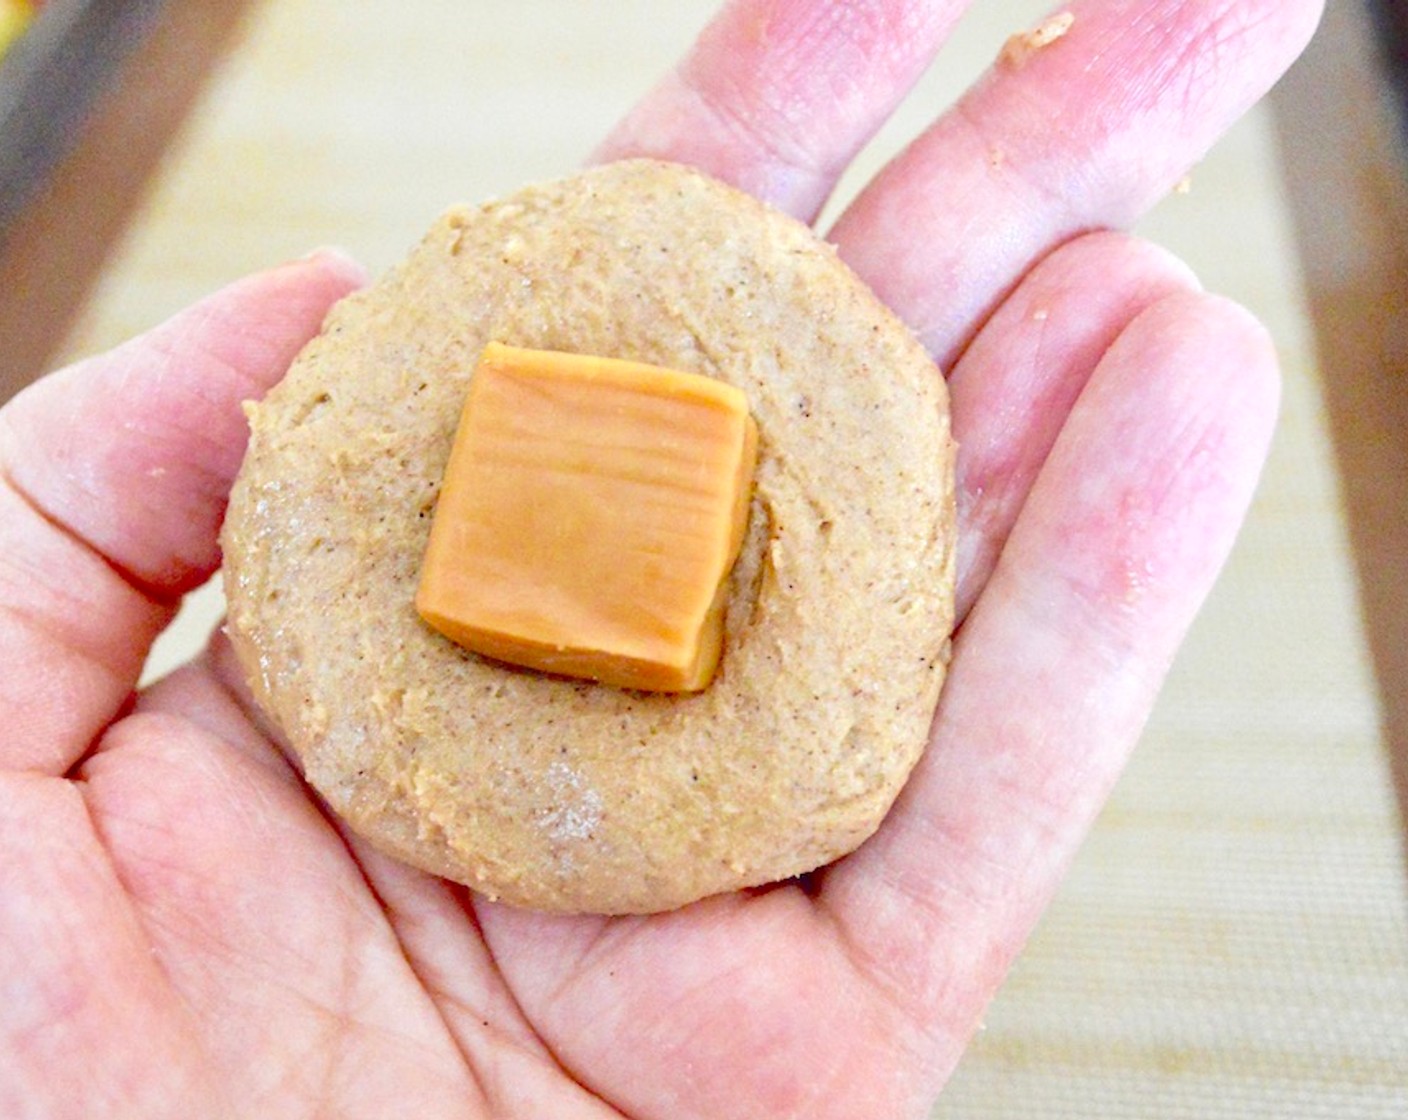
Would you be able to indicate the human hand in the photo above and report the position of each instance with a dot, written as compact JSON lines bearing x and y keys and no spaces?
{"x":184,"y":931}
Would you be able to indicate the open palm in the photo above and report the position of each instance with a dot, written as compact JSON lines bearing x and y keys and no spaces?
{"x":184,"y":932}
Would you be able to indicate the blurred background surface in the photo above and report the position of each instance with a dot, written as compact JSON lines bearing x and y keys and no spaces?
{"x":1233,"y":941}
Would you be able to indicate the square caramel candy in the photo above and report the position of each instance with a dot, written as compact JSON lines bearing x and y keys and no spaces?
{"x":589,"y":516}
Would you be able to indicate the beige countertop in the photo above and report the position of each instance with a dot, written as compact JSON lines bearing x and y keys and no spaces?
{"x":1233,"y":941}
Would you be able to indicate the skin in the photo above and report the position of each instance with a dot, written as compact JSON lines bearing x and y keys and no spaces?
{"x":184,"y":931}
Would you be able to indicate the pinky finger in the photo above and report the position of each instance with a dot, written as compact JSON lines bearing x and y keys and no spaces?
{"x":1120,"y":539}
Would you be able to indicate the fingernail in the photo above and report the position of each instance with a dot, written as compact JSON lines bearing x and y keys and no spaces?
{"x":338,"y":259}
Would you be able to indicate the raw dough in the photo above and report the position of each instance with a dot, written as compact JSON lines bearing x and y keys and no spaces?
{"x":559,"y":794}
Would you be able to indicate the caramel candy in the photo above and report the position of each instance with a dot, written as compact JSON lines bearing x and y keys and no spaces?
{"x":591,"y":511}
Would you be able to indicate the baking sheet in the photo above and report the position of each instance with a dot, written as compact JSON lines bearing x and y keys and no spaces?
{"x":50,"y":78}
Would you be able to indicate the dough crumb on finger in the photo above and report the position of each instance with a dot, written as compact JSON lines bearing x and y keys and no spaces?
{"x":1021,"y":46}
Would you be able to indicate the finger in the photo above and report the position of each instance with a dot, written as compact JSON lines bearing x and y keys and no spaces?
{"x":778,"y":95}
{"x":1015,"y":385}
{"x":113,"y":476}
{"x":1086,"y":132}
{"x":1120,"y":540}
{"x":132,"y":452}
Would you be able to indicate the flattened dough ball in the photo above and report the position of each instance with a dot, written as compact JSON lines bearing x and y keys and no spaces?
{"x":562,"y":794}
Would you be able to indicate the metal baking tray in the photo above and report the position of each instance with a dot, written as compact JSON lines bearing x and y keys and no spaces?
{"x":49,"y":80}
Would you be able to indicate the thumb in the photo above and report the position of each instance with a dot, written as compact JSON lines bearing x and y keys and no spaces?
{"x":113,"y":479}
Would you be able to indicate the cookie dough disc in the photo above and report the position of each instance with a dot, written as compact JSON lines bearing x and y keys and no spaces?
{"x":561,"y":794}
